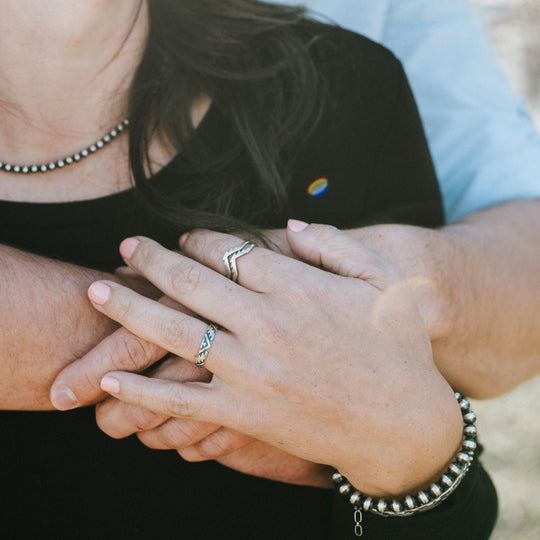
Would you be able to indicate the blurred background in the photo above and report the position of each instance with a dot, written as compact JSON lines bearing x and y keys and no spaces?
{"x":514,"y":30}
{"x":510,"y":426}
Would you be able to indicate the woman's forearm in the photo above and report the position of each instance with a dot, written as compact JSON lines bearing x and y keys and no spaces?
{"x":47,"y":322}
{"x":477,"y":283}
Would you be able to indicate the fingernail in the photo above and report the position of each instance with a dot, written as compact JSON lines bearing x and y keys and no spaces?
{"x":128,"y":246}
{"x":183,"y":240}
{"x":64,"y":399}
{"x":297,"y":226}
{"x":110,"y":384}
{"x":99,"y":293}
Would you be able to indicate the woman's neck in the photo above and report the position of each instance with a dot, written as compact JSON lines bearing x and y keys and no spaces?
{"x":65,"y":71}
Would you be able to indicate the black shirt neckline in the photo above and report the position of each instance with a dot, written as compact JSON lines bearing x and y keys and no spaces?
{"x":23,"y":214}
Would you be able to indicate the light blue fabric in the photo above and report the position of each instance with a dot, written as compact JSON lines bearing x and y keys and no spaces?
{"x":485,"y":147}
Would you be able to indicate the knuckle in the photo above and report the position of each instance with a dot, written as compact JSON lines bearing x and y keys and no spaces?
{"x":213,"y":447}
{"x":173,"y":334}
{"x":130,"y":353}
{"x":176,"y":405}
{"x":185,"y":281}
{"x":177,"y":434}
{"x":142,"y":419}
{"x":325,"y":232}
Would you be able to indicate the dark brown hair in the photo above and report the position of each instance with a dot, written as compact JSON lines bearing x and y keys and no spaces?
{"x":251,"y":59}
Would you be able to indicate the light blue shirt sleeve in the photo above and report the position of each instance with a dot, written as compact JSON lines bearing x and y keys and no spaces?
{"x":484,"y":145}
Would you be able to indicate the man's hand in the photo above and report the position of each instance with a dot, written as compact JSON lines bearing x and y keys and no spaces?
{"x":78,"y":383}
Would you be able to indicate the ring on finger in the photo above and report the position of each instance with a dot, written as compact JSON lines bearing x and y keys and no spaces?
{"x":206,"y":343}
{"x":229,"y":259}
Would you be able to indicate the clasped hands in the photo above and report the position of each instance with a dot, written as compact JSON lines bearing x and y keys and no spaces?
{"x":311,"y":365}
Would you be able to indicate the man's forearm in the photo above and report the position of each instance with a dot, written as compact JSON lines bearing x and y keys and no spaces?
{"x":478,"y":286}
{"x":47,"y":322}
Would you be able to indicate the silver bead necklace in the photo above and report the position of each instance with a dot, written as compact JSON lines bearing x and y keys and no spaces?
{"x":75,"y":158}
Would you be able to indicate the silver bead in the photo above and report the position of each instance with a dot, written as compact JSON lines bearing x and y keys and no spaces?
{"x":470,"y":417}
{"x":423,"y":497}
{"x":446,"y":480}
{"x":470,"y":431}
{"x":382,"y":505}
{"x":336,"y":477}
{"x":345,"y":488}
{"x":464,"y":404}
{"x":68,"y":160}
{"x":409,"y":501}
{"x":455,"y":469}
{"x":458,"y":396}
{"x":470,"y":444}
{"x":396,"y":506}
{"x":436,"y":490}
{"x":367,"y":505}
{"x":355,"y":498}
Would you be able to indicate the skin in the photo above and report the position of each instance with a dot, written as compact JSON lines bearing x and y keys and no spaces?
{"x":484,"y":333}
{"x":432,"y":258}
{"x":65,"y":68}
{"x":274,"y":378}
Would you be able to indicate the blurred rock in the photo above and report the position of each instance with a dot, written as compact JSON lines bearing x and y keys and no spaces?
{"x":514,"y":29}
{"x":509,"y":425}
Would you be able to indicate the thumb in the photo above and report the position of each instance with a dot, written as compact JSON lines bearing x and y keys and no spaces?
{"x":335,"y":251}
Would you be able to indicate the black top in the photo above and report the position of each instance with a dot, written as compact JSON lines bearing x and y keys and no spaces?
{"x":63,"y":478}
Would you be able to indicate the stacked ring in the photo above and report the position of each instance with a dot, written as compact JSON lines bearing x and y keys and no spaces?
{"x":229,"y":259}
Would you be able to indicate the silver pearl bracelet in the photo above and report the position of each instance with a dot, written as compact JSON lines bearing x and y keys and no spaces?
{"x":425,"y":499}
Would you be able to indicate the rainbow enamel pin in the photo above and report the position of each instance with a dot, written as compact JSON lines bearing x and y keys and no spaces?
{"x":318,"y":187}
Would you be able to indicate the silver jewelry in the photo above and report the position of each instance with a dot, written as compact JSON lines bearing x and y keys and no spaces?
{"x":206,"y":343}
{"x":425,"y":499}
{"x":229,"y":259}
{"x":75,"y":158}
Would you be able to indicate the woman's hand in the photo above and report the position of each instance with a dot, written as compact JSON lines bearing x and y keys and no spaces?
{"x":199,"y":441}
{"x":332,"y":369}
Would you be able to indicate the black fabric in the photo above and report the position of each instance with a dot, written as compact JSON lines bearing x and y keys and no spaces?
{"x":469,"y":513}
{"x":62,"y":478}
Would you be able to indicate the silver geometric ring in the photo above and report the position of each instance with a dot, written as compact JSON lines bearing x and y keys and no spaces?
{"x":207,"y":341}
{"x":229,"y":259}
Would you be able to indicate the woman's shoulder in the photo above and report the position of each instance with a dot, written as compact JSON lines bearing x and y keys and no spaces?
{"x":344,"y":56}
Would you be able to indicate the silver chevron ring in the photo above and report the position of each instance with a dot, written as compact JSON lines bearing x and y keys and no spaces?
{"x":229,"y":259}
{"x":206,"y":343}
